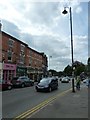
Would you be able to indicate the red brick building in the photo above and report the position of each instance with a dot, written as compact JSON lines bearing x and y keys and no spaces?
{"x":19,"y":59}
{"x":1,"y":71}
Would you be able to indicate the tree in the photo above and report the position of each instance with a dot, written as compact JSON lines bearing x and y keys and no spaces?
{"x":79,"y":68}
{"x":60,"y":73}
{"x":52,"y":72}
{"x":88,"y":66}
{"x":68,"y":71}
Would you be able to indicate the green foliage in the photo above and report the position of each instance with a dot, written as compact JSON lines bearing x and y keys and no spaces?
{"x":79,"y":68}
{"x":53,"y":72}
{"x":68,"y":71}
{"x":88,"y":67}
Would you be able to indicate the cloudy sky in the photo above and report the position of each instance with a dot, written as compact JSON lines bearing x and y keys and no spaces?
{"x":44,"y":28}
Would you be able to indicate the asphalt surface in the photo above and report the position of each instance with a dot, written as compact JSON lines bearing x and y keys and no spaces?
{"x":19,"y":100}
{"x":61,"y":103}
{"x":69,"y":105}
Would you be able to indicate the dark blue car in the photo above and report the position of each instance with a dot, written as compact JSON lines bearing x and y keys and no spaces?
{"x":47,"y":84}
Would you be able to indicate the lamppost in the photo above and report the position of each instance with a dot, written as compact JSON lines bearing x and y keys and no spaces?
{"x":50,"y":74}
{"x":65,"y":12}
{"x":49,"y":62}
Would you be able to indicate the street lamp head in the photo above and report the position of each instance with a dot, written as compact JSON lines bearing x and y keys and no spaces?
{"x":65,"y":11}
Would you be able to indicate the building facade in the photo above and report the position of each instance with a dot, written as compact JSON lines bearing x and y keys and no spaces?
{"x":1,"y":63}
{"x":34,"y":64}
{"x":19,"y":59}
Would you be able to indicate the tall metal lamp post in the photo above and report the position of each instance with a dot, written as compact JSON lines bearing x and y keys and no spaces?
{"x":49,"y":61}
{"x":65,"y":12}
{"x":50,"y":74}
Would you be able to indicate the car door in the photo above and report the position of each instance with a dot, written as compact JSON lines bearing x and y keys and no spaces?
{"x":27,"y":81}
{"x":4,"y":85}
{"x":53,"y":84}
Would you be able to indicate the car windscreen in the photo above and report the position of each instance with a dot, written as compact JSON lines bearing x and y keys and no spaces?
{"x":45,"y":80}
{"x":15,"y":78}
{"x":22,"y":78}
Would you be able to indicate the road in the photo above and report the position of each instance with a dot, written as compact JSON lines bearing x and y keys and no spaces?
{"x":19,"y":100}
{"x":66,"y":105}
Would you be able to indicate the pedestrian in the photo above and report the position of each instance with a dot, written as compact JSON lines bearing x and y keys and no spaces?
{"x":78,"y":82}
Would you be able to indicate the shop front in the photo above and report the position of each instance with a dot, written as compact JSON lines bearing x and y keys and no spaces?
{"x":30,"y":73}
{"x":1,"y":70}
{"x":34,"y":73}
{"x":9,"y":71}
{"x":21,"y":71}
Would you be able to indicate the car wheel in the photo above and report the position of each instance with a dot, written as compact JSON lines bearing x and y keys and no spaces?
{"x":9,"y":87}
{"x":50,"y":89}
{"x":22,"y":85}
{"x":37,"y":90}
{"x":32,"y":84}
{"x":56,"y":87}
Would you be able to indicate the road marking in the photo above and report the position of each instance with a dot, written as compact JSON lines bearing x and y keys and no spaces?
{"x":39,"y":106}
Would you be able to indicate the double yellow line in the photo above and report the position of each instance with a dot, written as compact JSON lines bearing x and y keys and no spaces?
{"x":39,"y":106}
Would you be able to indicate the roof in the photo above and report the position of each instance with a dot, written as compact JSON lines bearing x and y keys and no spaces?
{"x":42,"y":54}
{"x":14,"y":38}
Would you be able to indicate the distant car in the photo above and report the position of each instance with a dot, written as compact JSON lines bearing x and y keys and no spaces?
{"x":87,"y":81}
{"x":68,"y":78}
{"x":22,"y":81}
{"x":88,"y":84}
{"x":47,"y":84}
{"x":5,"y":85}
{"x":65,"y":80}
{"x":60,"y":78}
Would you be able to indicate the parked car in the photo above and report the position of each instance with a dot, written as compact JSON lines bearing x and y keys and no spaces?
{"x":87,"y":81}
{"x":22,"y":81}
{"x":5,"y":85}
{"x":60,"y":78}
{"x":47,"y":84}
{"x":88,"y":84}
{"x":31,"y":82}
{"x":65,"y":80}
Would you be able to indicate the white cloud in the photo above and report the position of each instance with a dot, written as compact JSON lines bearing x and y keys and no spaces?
{"x":81,"y":48}
{"x":43,"y":27}
{"x":78,"y":10}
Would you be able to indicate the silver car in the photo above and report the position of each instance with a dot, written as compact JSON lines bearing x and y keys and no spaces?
{"x":65,"y":80}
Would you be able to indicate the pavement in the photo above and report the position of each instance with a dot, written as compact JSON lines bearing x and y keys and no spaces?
{"x":69,"y":105}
